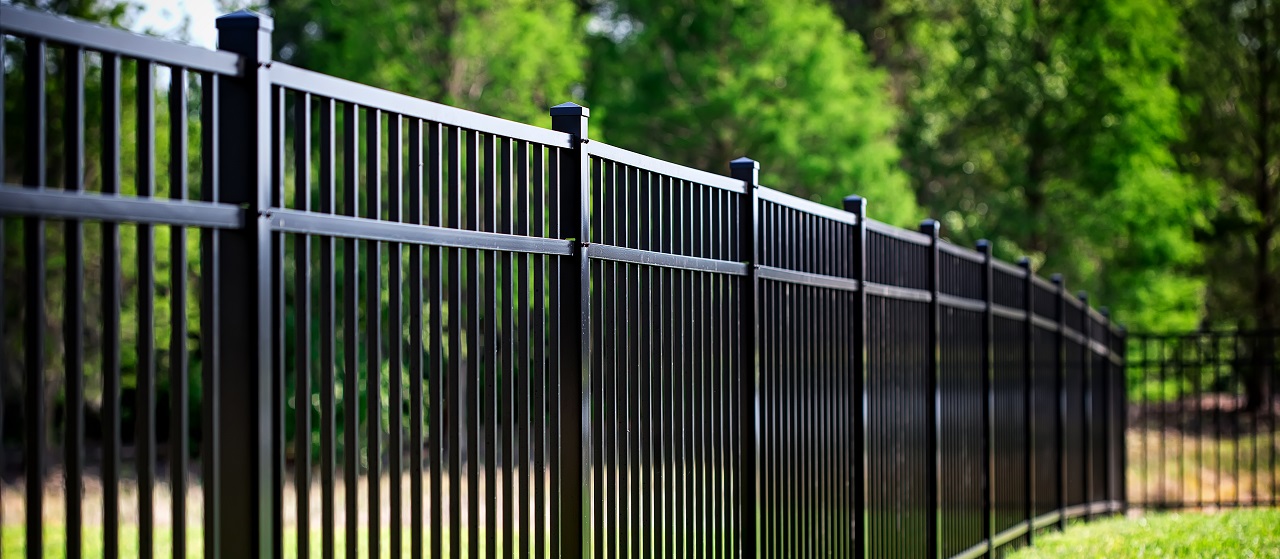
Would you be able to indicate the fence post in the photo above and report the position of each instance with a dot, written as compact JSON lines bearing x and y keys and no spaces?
{"x":1028,"y":392}
{"x":933,"y":548}
{"x":1060,"y":377}
{"x":1086,"y":372}
{"x":1123,"y":452}
{"x":576,"y":496}
{"x":857,"y":205}
{"x":748,"y":171}
{"x":988,"y":402}
{"x":1110,"y":425}
{"x":243,"y":505}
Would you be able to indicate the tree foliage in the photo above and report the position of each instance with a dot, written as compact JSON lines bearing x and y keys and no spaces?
{"x":1129,"y":144}
{"x":1231,"y":103}
{"x":509,"y":58}
{"x":780,"y":81}
{"x":1047,"y":126}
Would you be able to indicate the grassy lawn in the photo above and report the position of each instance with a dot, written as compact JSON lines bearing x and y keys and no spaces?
{"x":13,"y":544}
{"x":1246,"y":533}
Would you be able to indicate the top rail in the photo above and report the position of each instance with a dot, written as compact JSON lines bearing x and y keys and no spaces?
{"x":899,"y":233}
{"x":961,"y":252}
{"x":19,"y":21}
{"x":1011,"y":269}
{"x":338,"y":89}
{"x":1044,"y":283}
{"x":673,"y":170}
{"x":808,"y":206}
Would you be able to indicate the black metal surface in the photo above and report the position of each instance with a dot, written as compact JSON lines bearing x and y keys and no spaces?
{"x":73,"y":316}
{"x":34,"y":276}
{"x":245,"y":267}
{"x":344,"y":91}
{"x":145,"y":423}
{"x":179,"y":447}
{"x":111,"y":208}
{"x":551,"y":347}
{"x":68,"y":31}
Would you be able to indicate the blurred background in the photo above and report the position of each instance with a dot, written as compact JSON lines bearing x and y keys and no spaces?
{"x":1130,"y":145}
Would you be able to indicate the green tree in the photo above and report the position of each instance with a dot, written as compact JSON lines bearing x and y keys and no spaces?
{"x":509,"y":58}
{"x":1048,"y":126}
{"x":701,"y":83}
{"x":1231,"y":91}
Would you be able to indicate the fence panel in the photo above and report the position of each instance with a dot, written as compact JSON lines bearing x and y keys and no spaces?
{"x":1011,"y":427}
{"x":104,"y":251}
{"x":1046,"y":422}
{"x":326,"y":318}
{"x":428,"y":354}
{"x":807,"y":374}
{"x":667,"y":275}
{"x":1075,"y":447}
{"x":899,"y":395}
{"x":962,"y":386}
{"x":1100,"y":408}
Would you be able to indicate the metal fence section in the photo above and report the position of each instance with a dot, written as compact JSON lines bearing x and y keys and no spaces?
{"x":1202,"y":420}
{"x":331,"y":320}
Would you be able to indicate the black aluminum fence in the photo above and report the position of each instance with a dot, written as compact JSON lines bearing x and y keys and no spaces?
{"x":1203,"y":419}
{"x":329,"y":319}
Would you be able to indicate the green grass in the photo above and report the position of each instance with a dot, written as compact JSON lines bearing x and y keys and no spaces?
{"x":1244,"y":533}
{"x":13,"y":538}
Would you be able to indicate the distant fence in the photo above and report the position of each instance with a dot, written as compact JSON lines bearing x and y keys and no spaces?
{"x":401,"y":327}
{"x":1203,"y":419}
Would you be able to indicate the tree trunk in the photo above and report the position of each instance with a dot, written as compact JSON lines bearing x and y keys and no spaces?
{"x":1037,"y":143}
{"x":1258,"y":380}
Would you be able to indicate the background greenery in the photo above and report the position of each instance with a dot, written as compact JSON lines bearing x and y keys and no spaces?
{"x":1129,"y":144}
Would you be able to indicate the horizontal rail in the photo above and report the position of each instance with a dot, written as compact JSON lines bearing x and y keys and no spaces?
{"x":338,"y":89}
{"x":1044,"y":283}
{"x":58,"y":204}
{"x":1075,"y":302}
{"x":1011,"y":269}
{"x":1046,"y":519}
{"x":1097,"y":315}
{"x":1075,"y":511}
{"x":673,"y":170}
{"x":1073,"y":335}
{"x":19,"y":21}
{"x":1008,"y":312}
{"x":807,"y":206}
{"x":308,"y":223}
{"x":1099,"y":348}
{"x":962,"y":303}
{"x":895,"y":292}
{"x":977,"y":550}
{"x":899,"y":233}
{"x":961,"y":252}
{"x":1009,"y":534}
{"x":1044,"y":323}
{"x":806,"y":278}
{"x":1104,"y":507}
{"x":664,"y":260}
